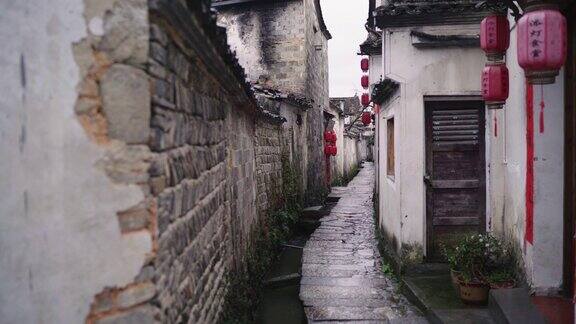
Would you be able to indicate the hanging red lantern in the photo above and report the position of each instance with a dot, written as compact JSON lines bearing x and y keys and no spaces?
{"x":541,"y":43}
{"x":495,"y":85}
{"x":328,"y":150}
{"x":366,"y":118}
{"x":334,"y":150}
{"x":365,"y":64}
{"x":327,"y":136}
{"x":365,"y":100}
{"x":333,"y":136}
{"x":495,"y":36}
{"x":365,"y":81}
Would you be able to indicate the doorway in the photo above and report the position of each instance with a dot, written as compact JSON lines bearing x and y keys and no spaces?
{"x":455,"y":171}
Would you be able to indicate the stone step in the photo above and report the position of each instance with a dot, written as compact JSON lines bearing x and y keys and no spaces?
{"x":513,"y":306}
{"x":308,"y":225}
{"x":314,"y":212}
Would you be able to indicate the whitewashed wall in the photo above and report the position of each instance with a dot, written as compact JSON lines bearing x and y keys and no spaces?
{"x":507,"y":177}
{"x":421,"y":72}
{"x":59,"y":233}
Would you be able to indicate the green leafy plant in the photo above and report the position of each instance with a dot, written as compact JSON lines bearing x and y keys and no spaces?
{"x":387,"y":269}
{"x":480,"y":258}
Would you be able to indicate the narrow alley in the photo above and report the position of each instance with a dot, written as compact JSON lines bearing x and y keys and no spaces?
{"x":342,"y":278}
{"x":287,"y":161}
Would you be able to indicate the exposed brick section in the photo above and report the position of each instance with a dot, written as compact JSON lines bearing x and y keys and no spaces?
{"x":269,"y":162}
{"x":189,"y":178}
{"x":180,"y":122}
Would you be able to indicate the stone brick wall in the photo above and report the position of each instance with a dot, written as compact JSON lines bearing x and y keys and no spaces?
{"x":241,"y":132}
{"x":201,"y":176}
{"x":282,"y":46}
{"x":269,"y":40}
{"x":152,"y":142}
{"x":317,"y":89}
{"x":269,"y":162}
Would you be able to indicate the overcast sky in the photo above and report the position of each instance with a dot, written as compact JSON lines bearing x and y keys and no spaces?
{"x":345,"y":20}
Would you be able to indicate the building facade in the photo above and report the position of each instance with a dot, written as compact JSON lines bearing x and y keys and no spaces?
{"x":449,"y":166}
{"x":284,"y":47}
{"x":138,"y":160}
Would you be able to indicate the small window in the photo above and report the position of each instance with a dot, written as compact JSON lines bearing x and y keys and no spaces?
{"x":390,"y":147}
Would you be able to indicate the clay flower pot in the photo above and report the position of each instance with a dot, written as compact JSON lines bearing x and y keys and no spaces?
{"x":474,"y":293}
{"x":455,"y":275}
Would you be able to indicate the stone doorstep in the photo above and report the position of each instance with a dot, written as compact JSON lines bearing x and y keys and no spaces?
{"x":513,"y":306}
{"x":439,"y":302}
{"x":431,"y":290}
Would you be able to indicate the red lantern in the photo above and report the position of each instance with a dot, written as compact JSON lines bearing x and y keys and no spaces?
{"x":364,"y":64}
{"x":327,"y":149}
{"x":334,"y":150}
{"x":365,"y":100}
{"x":542,"y":43}
{"x":327,"y":136}
{"x":495,"y":36}
{"x":365,"y":81}
{"x":333,"y":136}
{"x":495,"y":85}
{"x":366,"y":118}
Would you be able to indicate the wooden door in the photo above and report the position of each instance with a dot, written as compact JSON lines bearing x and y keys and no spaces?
{"x":455,"y":172}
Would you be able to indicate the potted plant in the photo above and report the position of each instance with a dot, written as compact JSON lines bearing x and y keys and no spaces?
{"x":473,"y":287}
{"x":498,"y":265}
{"x":477,"y":263}
{"x":500,"y":279}
{"x":452,"y":256}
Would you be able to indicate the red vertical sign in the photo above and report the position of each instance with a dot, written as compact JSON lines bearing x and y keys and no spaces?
{"x":529,"y":234}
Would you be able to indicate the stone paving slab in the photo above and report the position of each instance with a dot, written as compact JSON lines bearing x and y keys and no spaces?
{"x":341,"y":276}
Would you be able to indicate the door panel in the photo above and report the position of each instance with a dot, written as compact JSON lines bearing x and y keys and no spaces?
{"x":455,"y":166}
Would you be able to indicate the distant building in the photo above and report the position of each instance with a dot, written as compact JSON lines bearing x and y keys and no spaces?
{"x":283,"y":46}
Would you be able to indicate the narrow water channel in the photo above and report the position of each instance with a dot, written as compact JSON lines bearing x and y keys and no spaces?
{"x":281,"y":302}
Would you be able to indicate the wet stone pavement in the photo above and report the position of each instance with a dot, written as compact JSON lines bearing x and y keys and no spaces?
{"x":342,"y":279}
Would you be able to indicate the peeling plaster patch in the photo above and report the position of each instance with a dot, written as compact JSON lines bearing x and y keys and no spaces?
{"x":96,"y":26}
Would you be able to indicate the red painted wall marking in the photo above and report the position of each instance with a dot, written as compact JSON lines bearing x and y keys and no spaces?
{"x":495,"y":125}
{"x":529,"y":234}
{"x":542,"y":106}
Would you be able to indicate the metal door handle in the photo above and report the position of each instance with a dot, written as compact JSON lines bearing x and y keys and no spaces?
{"x":427,"y":179}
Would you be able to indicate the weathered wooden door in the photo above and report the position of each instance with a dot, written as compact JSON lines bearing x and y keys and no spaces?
{"x":455,"y":171}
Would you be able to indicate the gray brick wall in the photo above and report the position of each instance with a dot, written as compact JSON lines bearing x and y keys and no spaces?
{"x":189,"y":179}
{"x":269,"y":164}
{"x":317,"y":89}
{"x":269,"y":39}
{"x":281,"y":45}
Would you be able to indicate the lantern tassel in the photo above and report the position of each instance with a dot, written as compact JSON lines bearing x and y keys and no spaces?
{"x":495,"y":125}
{"x":542,"y":106}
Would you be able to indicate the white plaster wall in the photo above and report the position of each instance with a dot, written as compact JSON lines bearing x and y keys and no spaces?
{"x":507,"y":203}
{"x":442,"y":71}
{"x":375,"y":71}
{"x":350,"y":154}
{"x":389,"y":187}
{"x":338,"y":160}
{"x":295,"y":135}
{"x":59,"y":236}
